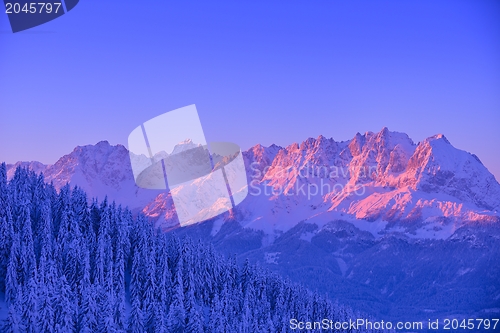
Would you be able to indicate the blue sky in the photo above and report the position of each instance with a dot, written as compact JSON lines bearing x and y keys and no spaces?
{"x":258,"y":71}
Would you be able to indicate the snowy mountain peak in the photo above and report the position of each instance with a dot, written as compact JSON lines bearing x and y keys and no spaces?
{"x":101,"y":170}
{"x":184,"y":146}
{"x":439,"y":137}
{"x":259,"y":157}
{"x":103,"y":143}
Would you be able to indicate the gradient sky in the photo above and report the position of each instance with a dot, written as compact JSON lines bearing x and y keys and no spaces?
{"x":258,"y":71}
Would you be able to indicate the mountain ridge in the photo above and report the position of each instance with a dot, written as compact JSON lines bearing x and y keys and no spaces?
{"x":384,"y":178}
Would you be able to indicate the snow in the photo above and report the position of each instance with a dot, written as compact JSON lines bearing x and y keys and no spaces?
{"x":342,"y":265}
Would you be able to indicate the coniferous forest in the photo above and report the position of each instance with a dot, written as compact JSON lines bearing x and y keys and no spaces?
{"x":70,"y":266}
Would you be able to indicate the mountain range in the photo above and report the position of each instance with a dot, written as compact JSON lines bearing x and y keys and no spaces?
{"x":390,"y":226}
{"x":383,"y":182}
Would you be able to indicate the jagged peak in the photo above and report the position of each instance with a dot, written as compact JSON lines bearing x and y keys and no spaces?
{"x":103,"y":143}
{"x":384,"y":131}
{"x":438,"y":142}
{"x":308,"y":142}
{"x":368,"y":134}
{"x":439,"y":137}
{"x":183,"y":146}
{"x":293,"y":146}
{"x":258,"y":148}
{"x":435,"y":143}
{"x":320,"y":140}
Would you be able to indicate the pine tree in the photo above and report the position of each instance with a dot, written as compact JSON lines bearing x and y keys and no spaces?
{"x":27,"y":252}
{"x":6,"y":226}
{"x":64,"y":321}
{"x":122,"y":246}
{"x":106,"y":322}
{"x":149,"y":288}
{"x":246,"y":312}
{"x":216,"y":322}
{"x":194,"y":319}
{"x":46,"y":232}
{"x":163,"y":275}
{"x":89,"y":310}
{"x":46,"y":293}
{"x":38,"y":198}
{"x":30,"y":306}
{"x":15,"y":322}
{"x":136,"y":323}
{"x":12,"y":280}
{"x":47,"y":314}
{"x":159,"y":319}
{"x":177,"y":315}
{"x":60,"y":207}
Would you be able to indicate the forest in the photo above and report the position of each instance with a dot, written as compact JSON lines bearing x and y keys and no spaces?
{"x":72,"y":264}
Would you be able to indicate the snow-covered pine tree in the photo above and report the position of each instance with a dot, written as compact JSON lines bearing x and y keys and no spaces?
{"x":15,"y":323}
{"x":12,"y":278}
{"x":176,"y":317}
{"x":64,"y":308}
{"x":30,"y":306}
{"x":6,"y":227}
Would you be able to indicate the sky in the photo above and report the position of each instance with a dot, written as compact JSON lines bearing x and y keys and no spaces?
{"x":258,"y":71}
